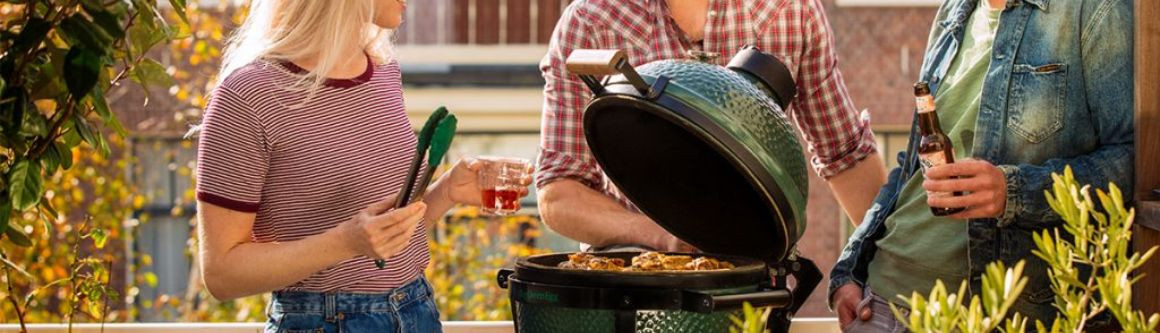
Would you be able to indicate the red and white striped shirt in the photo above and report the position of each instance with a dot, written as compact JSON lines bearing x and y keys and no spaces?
{"x":795,"y":31}
{"x":304,"y":166}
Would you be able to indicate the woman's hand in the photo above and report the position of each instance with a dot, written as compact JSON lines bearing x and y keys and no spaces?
{"x":984,"y":188}
{"x":461,"y":184}
{"x":380,"y":232}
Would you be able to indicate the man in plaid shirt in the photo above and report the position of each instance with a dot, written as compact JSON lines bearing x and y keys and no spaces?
{"x":577,"y":199}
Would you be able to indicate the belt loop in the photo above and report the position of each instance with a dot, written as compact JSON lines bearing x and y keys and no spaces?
{"x":427,"y":287}
{"x":329,"y":311}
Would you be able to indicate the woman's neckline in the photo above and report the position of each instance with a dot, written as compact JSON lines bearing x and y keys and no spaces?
{"x":333,"y":82}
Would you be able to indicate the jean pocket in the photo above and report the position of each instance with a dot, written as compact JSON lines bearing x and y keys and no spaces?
{"x":1037,"y":101}
{"x":420,"y":316}
{"x":295,"y":323}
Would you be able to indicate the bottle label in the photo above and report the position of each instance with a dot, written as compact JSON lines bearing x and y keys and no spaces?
{"x":930,"y":160}
{"x":924,"y":103}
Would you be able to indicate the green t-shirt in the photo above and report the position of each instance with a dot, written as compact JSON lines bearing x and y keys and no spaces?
{"x":918,"y":247}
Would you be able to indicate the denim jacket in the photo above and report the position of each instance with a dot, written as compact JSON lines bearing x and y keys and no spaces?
{"x":1059,"y":91}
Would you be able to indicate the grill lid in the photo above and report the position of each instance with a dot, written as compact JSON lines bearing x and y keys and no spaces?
{"x":703,"y":150}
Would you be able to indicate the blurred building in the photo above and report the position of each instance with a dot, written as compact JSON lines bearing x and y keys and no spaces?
{"x":479,"y":58}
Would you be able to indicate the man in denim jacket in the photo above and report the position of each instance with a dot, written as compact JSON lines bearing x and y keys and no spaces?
{"x":1044,"y":84}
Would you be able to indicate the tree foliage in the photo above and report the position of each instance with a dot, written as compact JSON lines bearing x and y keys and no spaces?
{"x":59,"y":59}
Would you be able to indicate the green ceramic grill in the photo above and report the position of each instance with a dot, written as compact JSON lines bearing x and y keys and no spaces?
{"x":708,"y":153}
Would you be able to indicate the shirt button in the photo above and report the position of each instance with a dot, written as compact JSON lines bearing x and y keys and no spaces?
{"x":712,"y":13}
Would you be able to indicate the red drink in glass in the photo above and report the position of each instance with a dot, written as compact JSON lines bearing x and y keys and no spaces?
{"x":502,"y":182}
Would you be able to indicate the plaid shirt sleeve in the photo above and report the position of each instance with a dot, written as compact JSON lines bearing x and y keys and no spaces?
{"x":832,"y":128}
{"x":563,"y":150}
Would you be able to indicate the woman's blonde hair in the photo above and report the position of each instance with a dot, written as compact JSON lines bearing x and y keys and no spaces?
{"x":283,"y":30}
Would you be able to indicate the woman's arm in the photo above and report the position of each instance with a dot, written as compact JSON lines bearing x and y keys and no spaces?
{"x":233,"y":265}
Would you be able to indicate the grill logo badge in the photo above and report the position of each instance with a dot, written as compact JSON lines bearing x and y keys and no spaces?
{"x":541,"y":296}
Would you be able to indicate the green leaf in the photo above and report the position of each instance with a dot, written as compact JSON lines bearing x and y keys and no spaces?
{"x":80,"y":30}
{"x":82,"y":68}
{"x":14,"y":267}
{"x":97,"y":98}
{"x":13,"y":117}
{"x":33,"y":32}
{"x":18,"y":237}
{"x":50,"y":159}
{"x":103,"y":146}
{"x":179,"y":5}
{"x":48,"y":82}
{"x":70,"y":138}
{"x":47,"y":206}
{"x":151,"y":73}
{"x":25,"y":185}
{"x":108,"y":22}
{"x":65,"y":153}
{"x":82,"y":128}
{"x":34,"y":124}
{"x":5,"y":213}
{"x":99,"y":238}
{"x":144,"y":34}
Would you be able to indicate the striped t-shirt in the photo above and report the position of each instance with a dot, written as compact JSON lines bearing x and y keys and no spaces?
{"x":306,"y":165}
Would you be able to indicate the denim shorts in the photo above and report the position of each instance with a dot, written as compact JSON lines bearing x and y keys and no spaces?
{"x":405,"y":309}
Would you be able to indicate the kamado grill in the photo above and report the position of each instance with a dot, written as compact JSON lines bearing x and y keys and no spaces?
{"x":707,"y":152}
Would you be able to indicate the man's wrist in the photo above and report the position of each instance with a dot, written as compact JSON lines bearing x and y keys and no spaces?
{"x":649,"y":233}
{"x":1012,"y":205}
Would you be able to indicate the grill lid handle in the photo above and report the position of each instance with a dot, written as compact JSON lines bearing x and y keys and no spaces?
{"x":503,"y":277}
{"x":590,"y":64}
{"x":700,"y":302}
{"x":770,"y":72}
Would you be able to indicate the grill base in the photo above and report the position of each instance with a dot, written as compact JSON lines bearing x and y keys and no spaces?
{"x":609,"y":306}
{"x":538,"y":318}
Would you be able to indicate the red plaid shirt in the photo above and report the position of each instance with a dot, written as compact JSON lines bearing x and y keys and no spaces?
{"x":795,"y":31}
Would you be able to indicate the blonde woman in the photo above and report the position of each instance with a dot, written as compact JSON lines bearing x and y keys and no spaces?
{"x":302,"y":148}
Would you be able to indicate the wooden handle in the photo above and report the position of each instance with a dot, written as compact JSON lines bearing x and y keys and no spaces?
{"x":594,"y":62}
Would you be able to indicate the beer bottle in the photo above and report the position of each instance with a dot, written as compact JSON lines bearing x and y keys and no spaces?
{"x":934,"y":147}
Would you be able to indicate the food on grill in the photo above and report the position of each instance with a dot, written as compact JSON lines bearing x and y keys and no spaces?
{"x":645,"y":262}
{"x":586,"y":261}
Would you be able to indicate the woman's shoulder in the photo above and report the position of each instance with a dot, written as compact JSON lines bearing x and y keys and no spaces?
{"x":239,"y":90}
{"x":387,"y":71}
{"x":255,"y":76}
{"x":387,"y":64}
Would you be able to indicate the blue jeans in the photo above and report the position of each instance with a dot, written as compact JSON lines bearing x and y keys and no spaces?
{"x":882,"y":320}
{"x":405,"y":309}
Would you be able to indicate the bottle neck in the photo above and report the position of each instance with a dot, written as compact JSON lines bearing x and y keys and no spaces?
{"x":927,"y":118}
